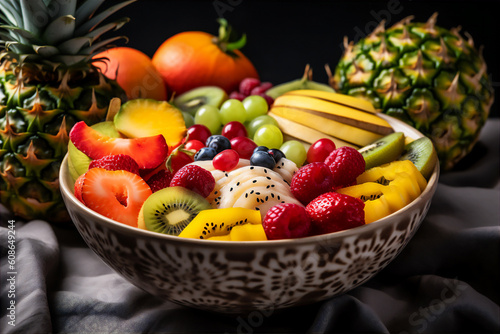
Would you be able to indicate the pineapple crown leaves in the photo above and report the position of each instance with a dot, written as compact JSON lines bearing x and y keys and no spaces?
{"x":56,"y":32}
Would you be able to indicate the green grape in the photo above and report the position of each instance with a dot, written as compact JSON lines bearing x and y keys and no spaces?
{"x":188,"y":119}
{"x":232,"y":110}
{"x":268,"y":135}
{"x":257,"y":122}
{"x":209,"y":116}
{"x":295,"y":151}
{"x":255,"y":106}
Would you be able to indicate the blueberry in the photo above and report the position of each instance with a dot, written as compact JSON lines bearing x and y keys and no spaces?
{"x":205,"y":153}
{"x":263,"y":159}
{"x":276,"y":154}
{"x":261,"y":148}
{"x":218,"y":143}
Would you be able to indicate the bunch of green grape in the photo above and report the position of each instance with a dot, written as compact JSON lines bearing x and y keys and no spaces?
{"x":261,"y":128}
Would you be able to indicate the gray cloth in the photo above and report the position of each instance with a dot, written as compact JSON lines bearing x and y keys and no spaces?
{"x":445,"y":280}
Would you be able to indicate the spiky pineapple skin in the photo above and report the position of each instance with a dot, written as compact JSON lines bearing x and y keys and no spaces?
{"x":35,"y":120}
{"x":427,"y":76}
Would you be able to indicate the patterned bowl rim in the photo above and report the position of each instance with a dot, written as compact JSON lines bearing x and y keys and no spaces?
{"x":67,"y":191}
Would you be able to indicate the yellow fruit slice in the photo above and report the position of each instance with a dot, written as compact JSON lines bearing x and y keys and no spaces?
{"x":336,"y":112}
{"x":372,"y":194}
{"x":386,"y":189}
{"x":341,"y":99}
{"x":220,"y":223}
{"x":304,"y":133}
{"x":388,"y":172}
{"x":348,"y":133}
{"x":246,"y":232}
{"x":147,"y":117}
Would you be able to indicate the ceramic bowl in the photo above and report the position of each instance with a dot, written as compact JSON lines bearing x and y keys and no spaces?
{"x":240,"y":277}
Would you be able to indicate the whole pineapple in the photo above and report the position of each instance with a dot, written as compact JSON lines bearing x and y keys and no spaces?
{"x":47,"y":84}
{"x":429,"y":77}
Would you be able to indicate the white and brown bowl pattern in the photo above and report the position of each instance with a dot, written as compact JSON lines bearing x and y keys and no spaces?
{"x":239,"y":277}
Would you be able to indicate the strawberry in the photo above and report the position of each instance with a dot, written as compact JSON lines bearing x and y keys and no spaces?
{"x":118,"y":195}
{"x":346,"y":164}
{"x":286,"y":221}
{"x":194,"y":178}
{"x":179,"y":157}
{"x":160,"y":180}
{"x":310,"y":181}
{"x":116,"y":162}
{"x":148,"y":152}
{"x":332,"y":212}
{"x":78,"y":187}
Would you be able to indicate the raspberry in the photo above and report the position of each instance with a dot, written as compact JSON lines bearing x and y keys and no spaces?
{"x":116,"y":162}
{"x":332,"y":212}
{"x":311,"y":181}
{"x":285,"y":221}
{"x":160,"y":180}
{"x":346,"y":164}
{"x":194,"y":178}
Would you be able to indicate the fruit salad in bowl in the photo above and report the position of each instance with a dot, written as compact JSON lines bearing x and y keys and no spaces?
{"x":248,"y":208}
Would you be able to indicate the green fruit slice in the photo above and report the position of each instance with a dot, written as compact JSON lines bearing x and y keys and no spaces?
{"x":384,"y":150}
{"x":193,"y":99}
{"x":305,"y":82}
{"x":423,"y":155}
{"x":170,"y":210}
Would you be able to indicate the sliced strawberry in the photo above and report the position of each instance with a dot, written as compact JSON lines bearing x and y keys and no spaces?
{"x":148,"y":152}
{"x":118,"y":195}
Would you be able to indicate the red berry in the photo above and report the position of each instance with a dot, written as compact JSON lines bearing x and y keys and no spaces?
{"x":226,"y":160}
{"x":269,"y":99}
{"x":178,"y":160}
{"x":332,"y":212}
{"x":237,"y":96}
{"x":160,"y":180}
{"x":194,"y":178}
{"x":247,"y":84}
{"x":346,"y":164}
{"x":78,"y":187}
{"x":234,"y":129}
{"x":199,"y":132}
{"x":244,"y":146}
{"x":285,"y":221}
{"x":320,"y":150}
{"x":116,"y":162}
{"x":194,"y":145}
{"x":311,"y":181}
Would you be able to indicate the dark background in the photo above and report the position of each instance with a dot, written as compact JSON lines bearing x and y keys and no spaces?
{"x":284,"y":36}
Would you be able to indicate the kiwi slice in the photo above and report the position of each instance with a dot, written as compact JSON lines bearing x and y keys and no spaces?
{"x":193,"y":99}
{"x":171,"y":209}
{"x":423,"y":155}
{"x":384,"y":150}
